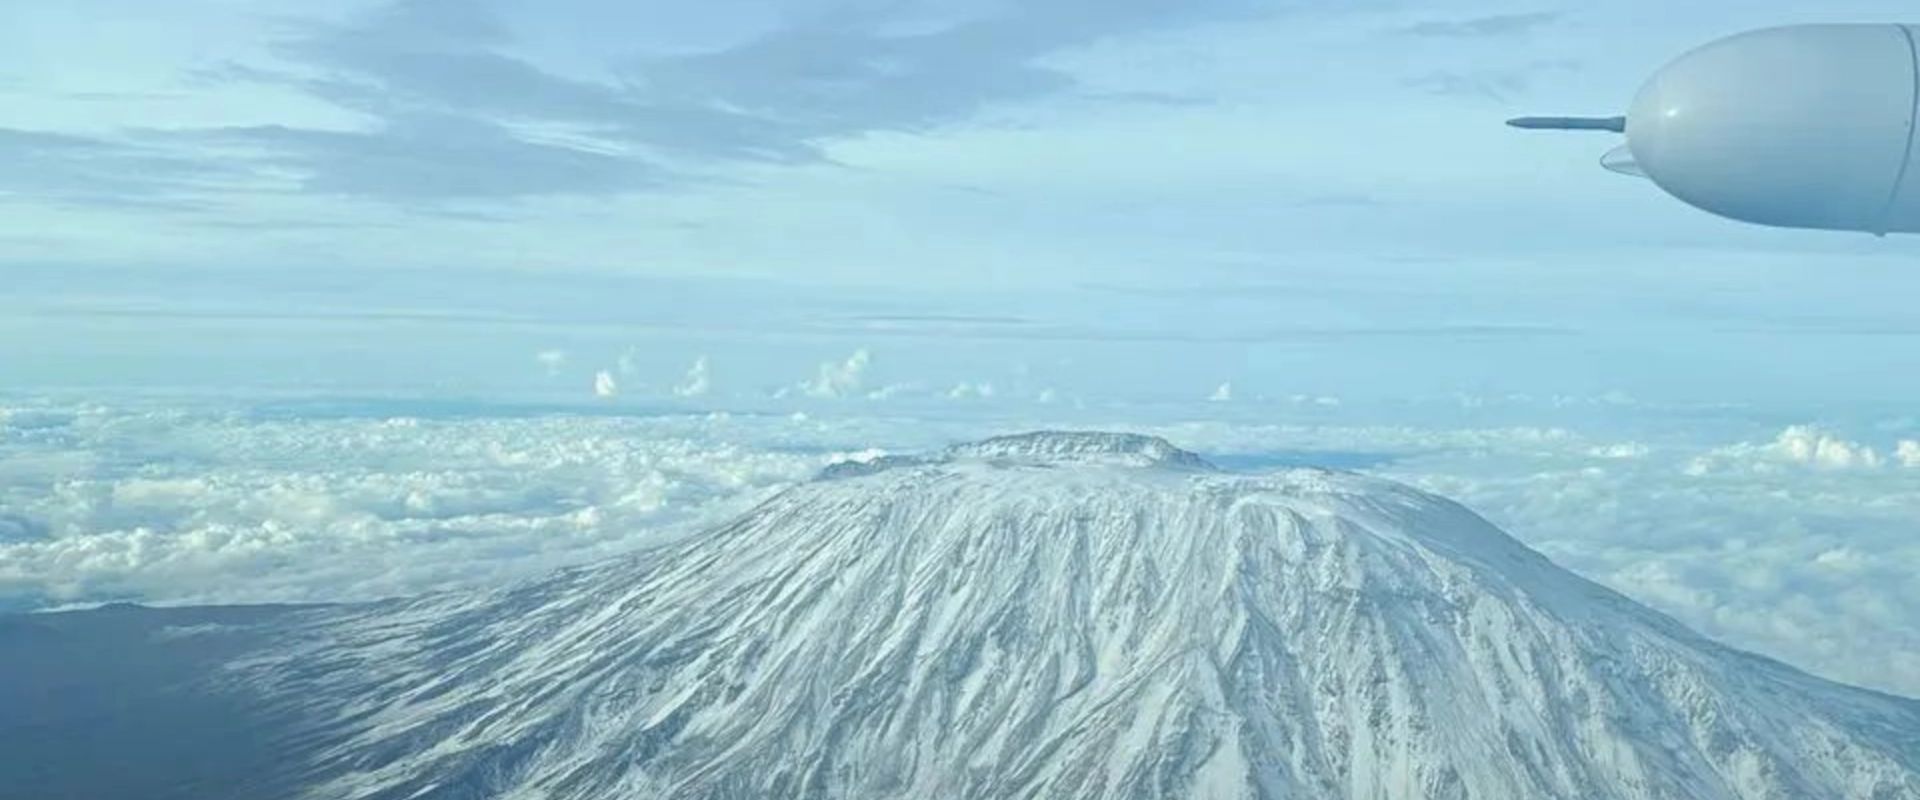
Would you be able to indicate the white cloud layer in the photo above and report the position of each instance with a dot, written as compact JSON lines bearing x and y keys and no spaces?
{"x":214,"y":508}
{"x":1793,"y":543}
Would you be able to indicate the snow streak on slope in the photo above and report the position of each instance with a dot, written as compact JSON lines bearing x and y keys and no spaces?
{"x":1074,"y":616}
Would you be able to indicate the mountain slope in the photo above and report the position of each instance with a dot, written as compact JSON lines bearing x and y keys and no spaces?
{"x":1069,"y":616}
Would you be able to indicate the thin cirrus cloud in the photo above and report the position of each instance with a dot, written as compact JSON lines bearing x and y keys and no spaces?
{"x":455,"y":113}
{"x":421,"y":157}
{"x":76,"y":170}
{"x":1497,"y":85}
{"x":1484,"y":26}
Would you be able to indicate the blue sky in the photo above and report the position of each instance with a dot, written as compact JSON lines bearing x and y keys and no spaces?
{"x":692,"y":179}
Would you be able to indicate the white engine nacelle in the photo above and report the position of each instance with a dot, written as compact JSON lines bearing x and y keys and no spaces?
{"x":1806,"y":126}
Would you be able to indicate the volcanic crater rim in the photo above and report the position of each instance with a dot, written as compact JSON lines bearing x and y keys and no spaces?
{"x":1042,"y":448}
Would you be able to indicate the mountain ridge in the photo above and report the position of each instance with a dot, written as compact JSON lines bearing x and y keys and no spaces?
{"x":1058,"y":615}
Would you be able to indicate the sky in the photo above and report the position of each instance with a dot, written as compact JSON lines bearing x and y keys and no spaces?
{"x":836,"y":141}
{"x":772,"y":183}
{"x":832,"y":140}
{"x":617,"y":262}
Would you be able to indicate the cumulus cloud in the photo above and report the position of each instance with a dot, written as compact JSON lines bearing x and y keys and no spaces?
{"x":1807,"y":445}
{"x":1223,"y":394}
{"x":1908,"y":453}
{"x":971,"y":391}
{"x":604,"y":385}
{"x":1798,"y":446}
{"x":697,"y":383}
{"x":840,"y":379}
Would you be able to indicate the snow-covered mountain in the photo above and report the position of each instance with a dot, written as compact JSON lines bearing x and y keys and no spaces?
{"x":1063,"y":615}
{"x":1055,"y":615}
